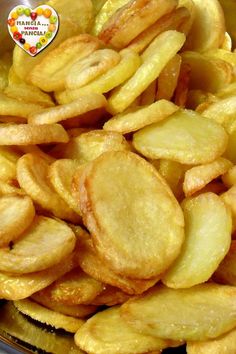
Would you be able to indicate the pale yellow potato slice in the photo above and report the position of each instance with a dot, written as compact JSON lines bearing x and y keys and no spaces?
{"x":229,"y":197}
{"x":107,"y":333}
{"x":16,"y":214}
{"x":229,"y":178}
{"x":198,"y":177}
{"x":29,"y":134}
{"x":132,"y":19}
{"x":155,"y":57}
{"x":137,"y":118}
{"x":13,"y":107}
{"x":226,"y":272}
{"x":48,"y":317}
{"x":45,"y":243}
{"x":227,"y":44}
{"x":81,"y":105}
{"x":225,"y":344}
{"x":32,"y":175}
{"x":8,"y":160}
{"x":190,"y":5}
{"x":229,"y":8}
{"x":184,"y":137}
{"x":229,"y":90}
{"x":144,"y":213}
{"x":208,"y":28}
{"x":32,"y":149}
{"x":201,"y":312}
{"x":208,"y":227}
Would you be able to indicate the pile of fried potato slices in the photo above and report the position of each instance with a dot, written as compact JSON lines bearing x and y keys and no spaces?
{"x":118,"y":177}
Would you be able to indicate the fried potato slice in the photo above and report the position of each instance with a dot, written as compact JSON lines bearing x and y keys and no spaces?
{"x":34,"y":149}
{"x":9,"y":188}
{"x":132,"y":19}
{"x":229,"y":178}
{"x":48,"y":317}
{"x":207,"y":74}
{"x":230,"y":152}
{"x":191,"y":7}
{"x":227,"y":91}
{"x":88,"y":146}
{"x":74,"y":288}
{"x":29,"y":134}
{"x":110,"y":296}
{"x":32,"y":175}
{"x":8,"y":159}
{"x":137,"y":118}
{"x":229,"y":8}
{"x":208,"y":28}
{"x":201,"y":312}
{"x":17,"y":287}
{"x":198,"y":177}
{"x":50,"y":73}
{"x":182,"y":87}
{"x":96,"y":268}
{"x":229,"y":197}
{"x":107,"y":333}
{"x":81,"y":105}
{"x":16,"y":214}
{"x":225,"y":344}
{"x":226,"y":272}
{"x":194,"y":139}
{"x":196,"y":98}
{"x":135,"y":256}
{"x":156,"y":56}
{"x":208,"y":227}
{"x":61,"y":174}
{"x":13,"y":107}
{"x":149,"y":95}
{"x":45,"y":243}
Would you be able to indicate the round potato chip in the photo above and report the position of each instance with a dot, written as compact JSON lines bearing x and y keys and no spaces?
{"x":127,"y":206}
{"x":45,"y":243}
{"x":16,"y":214}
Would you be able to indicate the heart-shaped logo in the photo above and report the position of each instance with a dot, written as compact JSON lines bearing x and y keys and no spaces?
{"x":33,"y":30}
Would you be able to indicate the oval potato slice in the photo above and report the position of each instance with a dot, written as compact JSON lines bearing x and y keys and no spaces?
{"x":16,"y":214}
{"x":201,"y":312}
{"x":194,"y":140}
{"x":208,"y":227}
{"x":107,"y":333}
{"x":128,"y":229}
{"x":46,"y":242}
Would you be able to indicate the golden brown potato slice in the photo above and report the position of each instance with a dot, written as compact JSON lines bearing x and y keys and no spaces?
{"x":198,"y":177}
{"x":107,"y":333}
{"x":128,"y":230}
{"x":194,"y":139}
{"x":225,"y":344}
{"x":110,"y":296}
{"x":201,"y":312}
{"x":10,"y":188}
{"x":229,"y":8}
{"x":208,"y":227}
{"x":191,"y":7}
{"x":32,"y":149}
{"x":16,"y":214}
{"x":208,"y":28}
{"x":149,"y":95}
{"x":136,"y":118}
{"x":229,"y":197}
{"x":48,"y":317}
{"x":226,"y":272}
{"x":8,"y":160}
{"x":132,"y":19}
{"x":230,"y":152}
{"x":155,"y":57}
{"x":45,"y":243}
{"x":13,"y":107}
{"x":229,"y":178}
{"x":32,"y":175}
{"x":182,"y":87}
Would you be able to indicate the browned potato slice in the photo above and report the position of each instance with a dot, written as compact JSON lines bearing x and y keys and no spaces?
{"x":182,"y":87}
{"x":13,"y":107}
{"x":74,"y":288}
{"x":208,"y":28}
{"x":225,"y":344}
{"x":144,"y":215}
{"x":110,"y":296}
{"x":198,"y":177}
{"x":45,"y":243}
{"x":194,"y":139}
{"x":226,"y":272}
{"x":208,"y":227}
{"x":8,"y":160}
{"x":132,"y":19}
{"x":230,"y":152}
{"x":201,"y":312}
{"x":107,"y":333}
{"x":32,"y":175}
{"x":16,"y":214}
{"x":9,"y":188}
{"x":229,"y":178}
{"x":49,"y":317}
{"x":139,"y":117}
{"x":149,"y":95}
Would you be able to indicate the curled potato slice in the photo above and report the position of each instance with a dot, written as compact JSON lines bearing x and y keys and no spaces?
{"x":130,"y":20}
{"x":16,"y":214}
{"x":110,"y":296}
{"x":81,"y":105}
{"x":226,"y":272}
{"x":46,"y":242}
{"x":113,"y":221}
{"x":156,"y":56}
{"x":49,"y":317}
{"x":201,"y":312}
{"x":50,"y":73}
{"x":198,"y":177}
{"x":8,"y":159}
{"x":194,"y":139}
{"x":13,"y":107}
{"x":32,"y":175}
{"x":208,"y":226}
{"x":137,"y":118}
{"x":29,"y":134}
{"x":107,"y":333}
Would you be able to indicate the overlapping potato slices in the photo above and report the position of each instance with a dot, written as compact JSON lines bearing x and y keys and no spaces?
{"x":226,"y":272}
